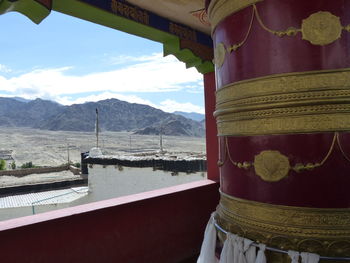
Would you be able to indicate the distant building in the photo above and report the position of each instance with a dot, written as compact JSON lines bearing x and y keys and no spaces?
{"x":109,"y":176}
{"x":113,"y":176}
{"x":6,"y":155}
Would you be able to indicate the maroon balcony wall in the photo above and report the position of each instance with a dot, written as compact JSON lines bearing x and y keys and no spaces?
{"x":161,"y":226}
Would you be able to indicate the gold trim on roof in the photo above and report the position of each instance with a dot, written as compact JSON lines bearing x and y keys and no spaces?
{"x":315,"y":101}
{"x":325,"y":231}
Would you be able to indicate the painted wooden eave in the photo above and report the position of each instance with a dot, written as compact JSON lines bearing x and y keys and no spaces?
{"x":171,"y":43}
{"x":34,"y":10}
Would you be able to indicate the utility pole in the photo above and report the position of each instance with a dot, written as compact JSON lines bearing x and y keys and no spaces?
{"x":97,"y":128}
{"x":161,"y":137}
{"x":129,"y":143}
{"x":68,"y":153}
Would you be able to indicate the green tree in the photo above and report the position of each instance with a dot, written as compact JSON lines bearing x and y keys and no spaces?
{"x":13,"y":165}
{"x":2,"y":165}
{"x":27,"y":165}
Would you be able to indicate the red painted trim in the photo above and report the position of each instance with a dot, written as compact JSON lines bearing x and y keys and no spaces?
{"x":211,"y":128}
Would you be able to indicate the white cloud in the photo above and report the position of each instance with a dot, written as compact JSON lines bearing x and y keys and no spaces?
{"x":5,"y":69}
{"x":124,"y":59}
{"x":167,"y":105}
{"x":103,"y":96}
{"x":171,"y":106}
{"x":150,"y":74}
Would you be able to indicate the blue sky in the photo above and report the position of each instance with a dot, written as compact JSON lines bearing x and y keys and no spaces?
{"x":69,"y":60}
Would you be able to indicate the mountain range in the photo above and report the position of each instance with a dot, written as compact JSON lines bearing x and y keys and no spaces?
{"x":191,"y":115}
{"x":114,"y":115}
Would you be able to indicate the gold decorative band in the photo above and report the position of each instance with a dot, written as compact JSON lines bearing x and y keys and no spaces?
{"x":317,"y":101}
{"x":324,"y":231}
{"x":220,"y":9}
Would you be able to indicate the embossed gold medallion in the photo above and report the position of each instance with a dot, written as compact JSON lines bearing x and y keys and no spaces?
{"x":219,"y":54}
{"x":321,"y":28}
{"x":271,"y":166}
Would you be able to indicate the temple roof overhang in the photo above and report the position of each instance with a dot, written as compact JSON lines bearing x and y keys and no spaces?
{"x":180,"y":25}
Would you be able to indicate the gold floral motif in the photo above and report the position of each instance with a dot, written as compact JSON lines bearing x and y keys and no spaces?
{"x":219,"y":9}
{"x":238,"y":45}
{"x":271,"y":166}
{"x":324,"y":231}
{"x":288,"y":103}
{"x":290,"y":31}
{"x":321,"y":28}
{"x":219,"y":55}
{"x":220,"y":50}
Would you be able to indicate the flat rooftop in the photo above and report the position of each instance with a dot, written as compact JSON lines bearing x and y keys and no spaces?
{"x":167,"y":161}
{"x":43,"y":198}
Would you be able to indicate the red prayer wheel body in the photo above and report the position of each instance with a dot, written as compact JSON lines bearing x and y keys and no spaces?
{"x":283,"y":116}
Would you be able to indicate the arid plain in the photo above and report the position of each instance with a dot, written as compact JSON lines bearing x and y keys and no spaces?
{"x":50,"y":148}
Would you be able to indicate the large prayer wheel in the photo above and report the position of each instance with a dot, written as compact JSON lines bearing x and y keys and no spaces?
{"x":283,"y":116}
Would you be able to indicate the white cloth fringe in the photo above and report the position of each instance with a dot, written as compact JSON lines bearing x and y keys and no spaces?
{"x":228,"y":251}
{"x":309,"y":257}
{"x":261,"y":258}
{"x":207,"y":254}
{"x":241,"y":250}
{"x":249,"y":250}
{"x":237,"y":250}
{"x":294,"y":256}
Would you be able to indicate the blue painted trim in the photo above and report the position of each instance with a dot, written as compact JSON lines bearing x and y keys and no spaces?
{"x":152,"y":20}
